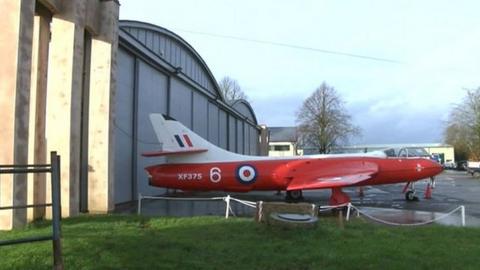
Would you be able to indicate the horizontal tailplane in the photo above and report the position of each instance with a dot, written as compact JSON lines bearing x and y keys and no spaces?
{"x":173,"y":153}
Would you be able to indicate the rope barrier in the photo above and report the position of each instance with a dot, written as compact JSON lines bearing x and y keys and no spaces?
{"x":247,"y":203}
{"x":228,"y":209}
{"x":226,"y":199}
{"x":182,"y":199}
{"x":324,"y":208}
{"x":462,"y":208}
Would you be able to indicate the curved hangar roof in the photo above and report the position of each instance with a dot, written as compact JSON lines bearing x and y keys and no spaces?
{"x":180,"y":58}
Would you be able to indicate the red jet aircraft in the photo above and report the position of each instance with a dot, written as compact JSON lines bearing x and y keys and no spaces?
{"x":193,"y":163}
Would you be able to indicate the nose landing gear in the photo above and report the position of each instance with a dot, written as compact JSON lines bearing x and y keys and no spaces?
{"x":410,"y":196}
{"x":410,"y":192}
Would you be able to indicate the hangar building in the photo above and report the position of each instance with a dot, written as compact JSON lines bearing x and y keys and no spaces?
{"x":77,"y":81}
{"x":160,"y":72}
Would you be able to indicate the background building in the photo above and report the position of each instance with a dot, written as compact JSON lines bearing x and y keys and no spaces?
{"x":444,"y":151}
{"x":283,"y":142}
{"x":76,"y":82}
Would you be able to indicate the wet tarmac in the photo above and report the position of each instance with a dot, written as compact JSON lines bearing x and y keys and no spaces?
{"x":386,"y":202}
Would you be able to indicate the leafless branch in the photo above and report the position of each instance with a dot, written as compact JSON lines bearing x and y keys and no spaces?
{"x":231,"y":90}
{"x":323,"y":121}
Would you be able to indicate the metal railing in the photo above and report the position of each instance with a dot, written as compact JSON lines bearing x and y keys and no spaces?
{"x":54,"y":169}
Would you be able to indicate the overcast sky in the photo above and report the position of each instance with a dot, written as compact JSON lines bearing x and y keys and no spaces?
{"x":432,"y":50}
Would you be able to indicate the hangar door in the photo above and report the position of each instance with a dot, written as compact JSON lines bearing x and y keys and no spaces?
{"x":152,"y":98}
{"x":141,"y":90}
{"x":124,"y":114}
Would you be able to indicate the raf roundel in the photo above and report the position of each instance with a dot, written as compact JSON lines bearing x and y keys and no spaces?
{"x":246,"y":174}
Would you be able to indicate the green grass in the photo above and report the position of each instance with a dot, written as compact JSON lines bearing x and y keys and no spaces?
{"x":130,"y":242}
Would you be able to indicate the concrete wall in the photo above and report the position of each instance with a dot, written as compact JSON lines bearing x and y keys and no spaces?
{"x":68,"y":89}
{"x":15,"y":73}
{"x":57,"y":93}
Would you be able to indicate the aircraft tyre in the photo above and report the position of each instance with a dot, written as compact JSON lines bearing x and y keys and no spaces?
{"x":410,"y":196}
{"x":294,"y":195}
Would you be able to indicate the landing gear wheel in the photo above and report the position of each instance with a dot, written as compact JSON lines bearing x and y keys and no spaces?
{"x":294,"y":195}
{"x":410,"y":196}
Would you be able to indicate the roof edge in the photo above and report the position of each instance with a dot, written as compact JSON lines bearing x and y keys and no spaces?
{"x":162,"y":30}
{"x":249,"y":107}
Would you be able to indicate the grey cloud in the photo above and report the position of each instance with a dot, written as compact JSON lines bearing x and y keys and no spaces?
{"x":388,"y":123}
{"x":397,"y":124}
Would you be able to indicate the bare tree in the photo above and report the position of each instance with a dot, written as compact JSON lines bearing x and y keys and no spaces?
{"x":463,"y":127}
{"x":323,"y":121}
{"x":231,"y":90}
{"x":456,"y":135}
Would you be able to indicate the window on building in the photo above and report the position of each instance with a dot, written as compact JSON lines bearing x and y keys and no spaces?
{"x":280,"y":147}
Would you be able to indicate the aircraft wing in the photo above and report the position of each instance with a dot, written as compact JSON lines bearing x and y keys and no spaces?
{"x":334,"y":174}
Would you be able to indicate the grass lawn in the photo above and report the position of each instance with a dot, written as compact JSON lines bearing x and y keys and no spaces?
{"x":131,"y":242}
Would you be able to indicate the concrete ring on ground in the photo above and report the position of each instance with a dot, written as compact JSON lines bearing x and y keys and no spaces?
{"x":292,"y":220}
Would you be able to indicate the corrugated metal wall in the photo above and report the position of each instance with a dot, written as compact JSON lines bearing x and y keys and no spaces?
{"x":181,"y":102}
{"x":213,"y":124}
{"x":152,"y":98}
{"x":124,"y":116}
{"x":159,"y":72}
{"x":223,"y":129}
{"x":171,"y":50}
{"x":200,"y":115}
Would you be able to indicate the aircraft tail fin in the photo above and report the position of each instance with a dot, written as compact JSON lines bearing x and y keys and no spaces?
{"x":182,"y":145}
{"x":174,"y":138}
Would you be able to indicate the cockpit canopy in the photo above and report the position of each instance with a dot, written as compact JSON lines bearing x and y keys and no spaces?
{"x":407,"y":152}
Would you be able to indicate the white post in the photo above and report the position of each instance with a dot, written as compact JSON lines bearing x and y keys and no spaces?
{"x":139,"y":206}
{"x":260,"y":210}
{"x":462,"y":208}
{"x":227,"y":208}
{"x":348,"y":211}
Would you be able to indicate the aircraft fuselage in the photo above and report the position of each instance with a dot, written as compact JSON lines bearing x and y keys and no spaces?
{"x":244,"y":176}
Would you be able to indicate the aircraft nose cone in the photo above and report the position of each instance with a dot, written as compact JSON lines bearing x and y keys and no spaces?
{"x":432,"y":167}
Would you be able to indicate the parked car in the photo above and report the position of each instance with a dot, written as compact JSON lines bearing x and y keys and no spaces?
{"x":449,"y":164}
{"x":473,"y":167}
{"x":461,"y":165}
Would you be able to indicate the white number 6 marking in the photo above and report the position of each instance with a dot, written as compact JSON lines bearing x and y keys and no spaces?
{"x":215,"y":175}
